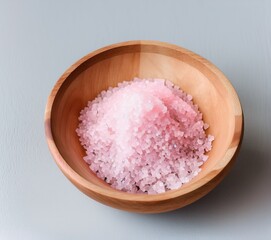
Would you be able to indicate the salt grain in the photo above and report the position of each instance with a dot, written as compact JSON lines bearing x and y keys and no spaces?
{"x":144,"y":136}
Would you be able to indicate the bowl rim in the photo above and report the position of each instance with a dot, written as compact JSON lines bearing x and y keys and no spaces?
{"x":120,"y":195}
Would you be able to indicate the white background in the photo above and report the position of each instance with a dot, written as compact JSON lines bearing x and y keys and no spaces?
{"x":39,"y":40}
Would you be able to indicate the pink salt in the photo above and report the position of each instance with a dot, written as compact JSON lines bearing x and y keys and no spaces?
{"x":144,"y":136}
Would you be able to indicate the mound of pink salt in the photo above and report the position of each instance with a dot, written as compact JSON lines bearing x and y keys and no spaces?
{"x":144,"y":136}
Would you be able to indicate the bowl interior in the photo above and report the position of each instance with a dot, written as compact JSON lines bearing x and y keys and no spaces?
{"x":111,"y":66}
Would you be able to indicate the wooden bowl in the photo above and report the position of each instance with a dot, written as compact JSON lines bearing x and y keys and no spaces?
{"x":110,"y":65}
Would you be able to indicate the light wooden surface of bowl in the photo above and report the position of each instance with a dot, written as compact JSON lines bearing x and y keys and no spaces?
{"x":106,"y":67}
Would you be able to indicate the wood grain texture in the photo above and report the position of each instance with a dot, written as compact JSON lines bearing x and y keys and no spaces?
{"x":144,"y":59}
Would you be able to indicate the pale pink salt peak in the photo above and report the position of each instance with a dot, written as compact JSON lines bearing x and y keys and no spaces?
{"x":144,"y":136}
